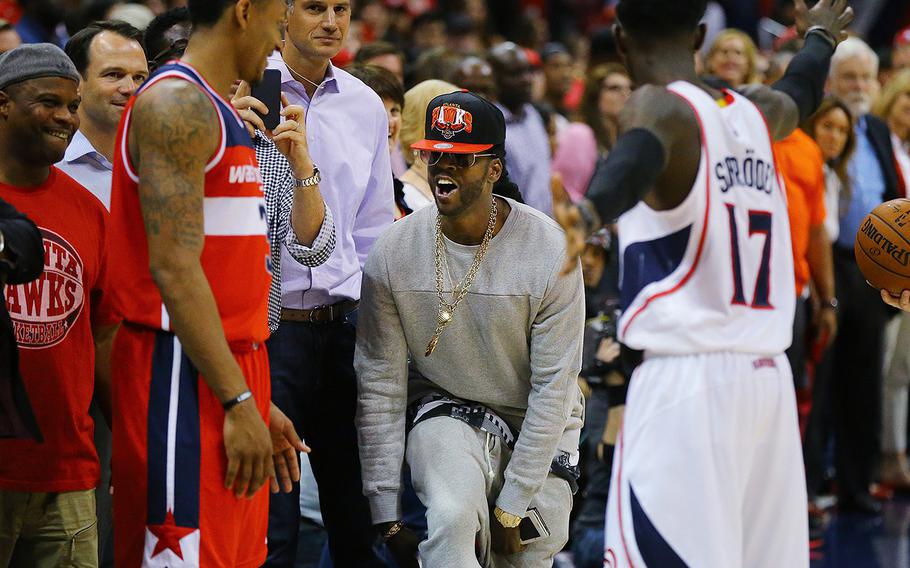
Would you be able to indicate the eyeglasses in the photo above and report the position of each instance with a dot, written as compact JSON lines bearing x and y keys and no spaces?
{"x":463,"y":161}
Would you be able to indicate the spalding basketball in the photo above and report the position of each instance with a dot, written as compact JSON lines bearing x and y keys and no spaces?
{"x":882,"y":246}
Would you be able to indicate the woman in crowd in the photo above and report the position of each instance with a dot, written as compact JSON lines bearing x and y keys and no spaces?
{"x":416,"y":188}
{"x":733,"y":58}
{"x":607,"y":89}
{"x":893,"y":106}
{"x":832,"y":129}
{"x":582,"y":144}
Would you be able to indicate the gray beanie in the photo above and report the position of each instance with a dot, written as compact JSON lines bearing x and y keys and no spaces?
{"x":35,"y":61}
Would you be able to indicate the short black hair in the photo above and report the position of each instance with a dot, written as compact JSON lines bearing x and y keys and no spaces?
{"x":660,"y":18}
{"x":383,"y":82}
{"x":78,"y":46}
{"x":154,"y":33}
{"x":208,"y":12}
{"x":377,"y":49}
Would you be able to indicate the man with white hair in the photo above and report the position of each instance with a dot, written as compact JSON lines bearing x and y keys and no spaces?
{"x":856,"y":379}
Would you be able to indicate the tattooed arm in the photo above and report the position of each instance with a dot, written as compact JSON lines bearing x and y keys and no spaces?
{"x":173,"y":134}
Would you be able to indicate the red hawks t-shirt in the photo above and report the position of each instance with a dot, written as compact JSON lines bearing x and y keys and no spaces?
{"x":53,"y":318}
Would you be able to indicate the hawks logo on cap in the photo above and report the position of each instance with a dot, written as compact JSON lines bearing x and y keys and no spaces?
{"x":450,"y":120}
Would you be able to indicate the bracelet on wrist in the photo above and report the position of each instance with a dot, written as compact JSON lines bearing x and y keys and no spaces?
{"x":508,"y":520}
{"x":311,"y":181}
{"x":229,"y":404}
{"x":393,"y":530}
{"x":824,"y":33}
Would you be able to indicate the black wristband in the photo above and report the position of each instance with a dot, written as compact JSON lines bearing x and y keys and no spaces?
{"x":229,"y":404}
{"x":825,"y":33}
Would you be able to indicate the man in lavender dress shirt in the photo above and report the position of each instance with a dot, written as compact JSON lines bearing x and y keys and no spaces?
{"x":312,"y":352}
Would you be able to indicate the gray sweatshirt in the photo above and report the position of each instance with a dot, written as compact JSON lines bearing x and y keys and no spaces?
{"x":514,"y":345}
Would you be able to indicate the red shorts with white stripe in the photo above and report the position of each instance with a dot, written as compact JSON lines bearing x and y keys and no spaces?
{"x":170,"y":504}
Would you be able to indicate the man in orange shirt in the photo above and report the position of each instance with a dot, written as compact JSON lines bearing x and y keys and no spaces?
{"x":801,"y":165}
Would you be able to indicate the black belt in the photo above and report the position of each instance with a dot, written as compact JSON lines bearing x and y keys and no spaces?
{"x":320,"y":314}
{"x":479,"y":417}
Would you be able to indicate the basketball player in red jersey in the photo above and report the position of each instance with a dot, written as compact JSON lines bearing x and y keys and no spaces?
{"x":191,"y":403}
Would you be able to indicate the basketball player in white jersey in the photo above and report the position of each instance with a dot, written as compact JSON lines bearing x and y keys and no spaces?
{"x":708,"y":470}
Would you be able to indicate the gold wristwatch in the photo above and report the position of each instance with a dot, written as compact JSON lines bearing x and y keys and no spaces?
{"x":507,"y":520}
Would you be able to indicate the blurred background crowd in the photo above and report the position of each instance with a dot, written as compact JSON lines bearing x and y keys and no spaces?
{"x":553,"y":68}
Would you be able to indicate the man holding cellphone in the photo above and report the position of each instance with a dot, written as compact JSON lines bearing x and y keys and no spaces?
{"x":491,"y":412}
{"x":312,"y":352}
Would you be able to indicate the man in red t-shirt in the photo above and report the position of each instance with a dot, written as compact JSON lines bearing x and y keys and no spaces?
{"x":63,"y":326}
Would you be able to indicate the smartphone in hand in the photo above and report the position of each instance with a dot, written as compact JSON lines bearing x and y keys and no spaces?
{"x":269,"y":92}
{"x":532,"y":527}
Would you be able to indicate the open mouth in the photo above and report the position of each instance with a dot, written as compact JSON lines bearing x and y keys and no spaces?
{"x":445,"y":186}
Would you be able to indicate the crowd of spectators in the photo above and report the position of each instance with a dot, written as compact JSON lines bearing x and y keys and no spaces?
{"x":552,"y":68}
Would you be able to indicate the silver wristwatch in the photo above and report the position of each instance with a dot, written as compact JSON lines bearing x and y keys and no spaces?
{"x":310,"y":181}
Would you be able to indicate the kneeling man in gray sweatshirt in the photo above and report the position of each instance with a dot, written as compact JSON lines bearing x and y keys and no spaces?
{"x":469,"y":295}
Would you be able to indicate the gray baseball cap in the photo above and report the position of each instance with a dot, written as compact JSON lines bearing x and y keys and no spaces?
{"x":35,"y":61}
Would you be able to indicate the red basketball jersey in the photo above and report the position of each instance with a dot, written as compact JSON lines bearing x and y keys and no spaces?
{"x":236,"y":252}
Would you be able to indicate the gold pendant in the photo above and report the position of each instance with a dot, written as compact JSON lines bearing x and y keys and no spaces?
{"x":443,"y":317}
{"x":432,"y":345}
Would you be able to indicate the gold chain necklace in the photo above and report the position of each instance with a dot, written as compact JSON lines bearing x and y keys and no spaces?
{"x":446,"y":310}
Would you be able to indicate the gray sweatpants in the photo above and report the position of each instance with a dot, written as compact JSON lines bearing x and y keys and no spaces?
{"x":451,"y":464}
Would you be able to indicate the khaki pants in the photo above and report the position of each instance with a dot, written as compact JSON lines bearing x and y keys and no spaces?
{"x":45,"y":530}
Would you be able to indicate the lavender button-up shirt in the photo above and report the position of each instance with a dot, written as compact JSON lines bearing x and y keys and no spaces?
{"x":347,"y":131}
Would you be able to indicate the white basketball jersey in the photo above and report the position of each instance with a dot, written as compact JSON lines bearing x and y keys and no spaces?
{"x":716,"y":272}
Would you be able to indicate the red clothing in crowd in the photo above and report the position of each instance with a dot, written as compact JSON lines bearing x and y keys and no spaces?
{"x":802,"y":166}
{"x":53,"y":318}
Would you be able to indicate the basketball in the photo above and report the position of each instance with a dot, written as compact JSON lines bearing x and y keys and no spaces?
{"x":882,"y":246}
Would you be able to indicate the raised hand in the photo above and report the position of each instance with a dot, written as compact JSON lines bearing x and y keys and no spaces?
{"x":832,"y":15}
{"x":290,"y":138}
